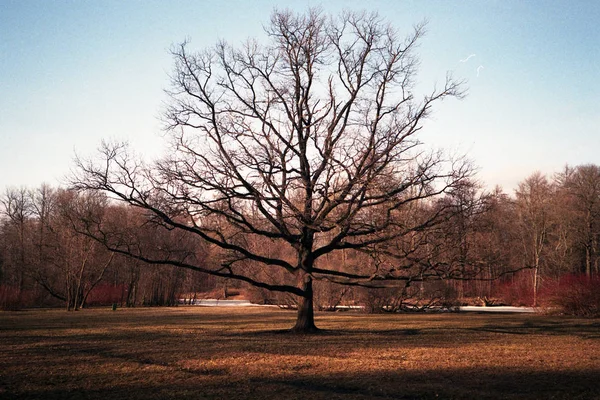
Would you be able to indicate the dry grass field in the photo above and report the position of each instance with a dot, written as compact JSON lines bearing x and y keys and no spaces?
{"x":241,"y":353}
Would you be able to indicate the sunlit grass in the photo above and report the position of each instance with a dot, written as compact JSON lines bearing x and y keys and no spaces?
{"x":193,"y":352}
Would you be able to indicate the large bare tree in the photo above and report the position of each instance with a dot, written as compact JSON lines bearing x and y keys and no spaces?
{"x":309,"y":141}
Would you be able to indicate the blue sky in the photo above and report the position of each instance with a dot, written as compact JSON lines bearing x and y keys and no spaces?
{"x":75,"y":72}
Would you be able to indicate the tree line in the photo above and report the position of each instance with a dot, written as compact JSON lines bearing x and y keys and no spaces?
{"x":492,"y":245}
{"x":45,"y":260}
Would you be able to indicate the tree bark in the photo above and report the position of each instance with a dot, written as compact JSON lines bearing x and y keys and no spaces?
{"x":305,"y":322}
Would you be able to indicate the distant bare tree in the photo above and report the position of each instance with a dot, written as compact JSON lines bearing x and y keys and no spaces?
{"x":17,"y":209}
{"x":309,"y":141}
{"x":583,"y":184}
{"x":534,"y":203}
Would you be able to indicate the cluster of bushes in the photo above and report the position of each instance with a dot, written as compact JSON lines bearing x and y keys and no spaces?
{"x":574,"y":295}
{"x":570,"y":294}
{"x":12,"y":298}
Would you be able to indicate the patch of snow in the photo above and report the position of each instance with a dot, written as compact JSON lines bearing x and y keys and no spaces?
{"x":505,"y":309}
{"x":246,"y":303}
{"x":220,"y":303}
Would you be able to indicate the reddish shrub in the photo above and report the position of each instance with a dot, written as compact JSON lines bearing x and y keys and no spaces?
{"x":11,"y":298}
{"x":106,"y":294}
{"x":518,"y":291}
{"x":574,"y":295}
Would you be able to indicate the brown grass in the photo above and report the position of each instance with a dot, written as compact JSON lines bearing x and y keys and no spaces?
{"x":199,"y":353}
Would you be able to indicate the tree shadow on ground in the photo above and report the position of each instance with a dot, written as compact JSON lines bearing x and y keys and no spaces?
{"x":587,"y":331}
{"x":171,"y":356}
{"x":426,"y":384}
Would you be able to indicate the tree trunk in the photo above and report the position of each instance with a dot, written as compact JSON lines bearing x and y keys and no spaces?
{"x":588,"y":260}
{"x":536,"y":273}
{"x":535,"y":285}
{"x":305,"y":322}
{"x":68,"y":291}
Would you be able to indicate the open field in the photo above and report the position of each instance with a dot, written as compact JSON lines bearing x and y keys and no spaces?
{"x":236,"y":353}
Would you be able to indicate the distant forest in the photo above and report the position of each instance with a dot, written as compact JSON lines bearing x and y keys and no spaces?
{"x":538,"y":247}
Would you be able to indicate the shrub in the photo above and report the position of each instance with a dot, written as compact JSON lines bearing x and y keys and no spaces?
{"x":105,"y":294}
{"x":434,"y":295}
{"x":518,"y":291}
{"x":11,"y":298}
{"x":574,"y":295}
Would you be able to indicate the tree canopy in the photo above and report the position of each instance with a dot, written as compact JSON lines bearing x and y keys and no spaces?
{"x":284,"y":152}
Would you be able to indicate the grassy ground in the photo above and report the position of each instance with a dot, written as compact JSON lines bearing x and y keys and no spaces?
{"x":196,"y":353}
